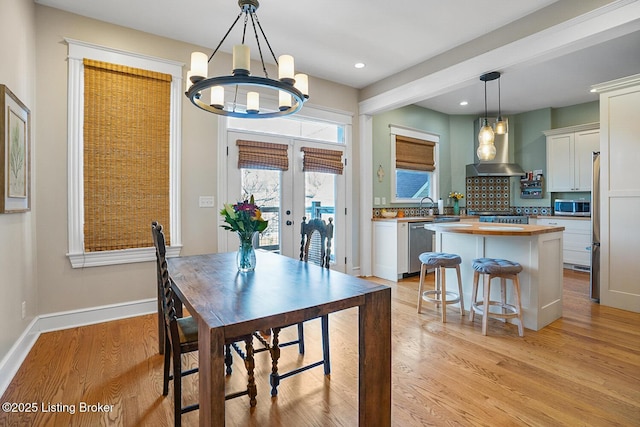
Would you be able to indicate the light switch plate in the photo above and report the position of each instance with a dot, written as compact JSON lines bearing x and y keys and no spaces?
{"x":384,"y":200}
{"x":206,"y":202}
{"x":376,"y":201}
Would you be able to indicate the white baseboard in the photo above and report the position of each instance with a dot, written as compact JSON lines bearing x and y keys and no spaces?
{"x":12,"y":361}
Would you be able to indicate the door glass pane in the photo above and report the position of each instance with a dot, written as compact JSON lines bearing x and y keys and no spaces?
{"x":265,"y":185}
{"x":320,"y":199}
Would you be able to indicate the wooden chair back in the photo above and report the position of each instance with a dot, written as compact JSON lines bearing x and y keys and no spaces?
{"x":315,"y":243}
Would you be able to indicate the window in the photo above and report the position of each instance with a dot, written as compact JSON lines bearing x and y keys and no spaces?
{"x":414,"y":155}
{"x":103,"y":186}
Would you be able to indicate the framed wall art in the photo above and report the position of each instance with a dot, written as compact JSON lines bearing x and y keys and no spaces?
{"x":15,"y":154}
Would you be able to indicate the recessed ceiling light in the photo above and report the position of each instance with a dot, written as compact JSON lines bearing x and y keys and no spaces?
{"x":359,"y":65}
{"x":463,"y":103}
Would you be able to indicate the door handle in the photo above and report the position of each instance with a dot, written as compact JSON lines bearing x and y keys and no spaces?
{"x":289,"y":222}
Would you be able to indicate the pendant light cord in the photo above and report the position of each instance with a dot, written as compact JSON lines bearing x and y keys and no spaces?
{"x":485,"y":101}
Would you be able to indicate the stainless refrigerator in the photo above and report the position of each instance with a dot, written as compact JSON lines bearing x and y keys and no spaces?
{"x":595,"y":228}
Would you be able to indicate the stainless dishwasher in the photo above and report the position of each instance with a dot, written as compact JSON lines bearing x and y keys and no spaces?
{"x":420,"y":240}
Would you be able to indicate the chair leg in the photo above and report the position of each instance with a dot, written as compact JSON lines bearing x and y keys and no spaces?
{"x":443,"y":293}
{"x":460,"y":290}
{"x":503,"y":294}
{"x":249,"y":363}
{"x":486,"y":283}
{"x":167,"y":363}
{"x":274,"y":379}
{"x":177,"y":389}
{"x":423,"y":268}
{"x":228,"y":358}
{"x":300,"y":338}
{"x":325,"y":344}
{"x":474,"y":295}
{"x":516,"y":288}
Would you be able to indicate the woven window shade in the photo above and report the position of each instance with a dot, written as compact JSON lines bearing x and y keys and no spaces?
{"x":415,"y":154}
{"x":126,"y":155}
{"x":321,"y":160}
{"x":262,"y":155}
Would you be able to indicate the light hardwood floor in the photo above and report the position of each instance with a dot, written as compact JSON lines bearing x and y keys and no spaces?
{"x":582,"y":370}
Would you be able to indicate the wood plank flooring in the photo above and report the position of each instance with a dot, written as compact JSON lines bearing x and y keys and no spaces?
{"x":582,"y":370}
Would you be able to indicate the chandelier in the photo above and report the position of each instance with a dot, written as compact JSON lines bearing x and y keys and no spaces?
{"x":292,"y":89}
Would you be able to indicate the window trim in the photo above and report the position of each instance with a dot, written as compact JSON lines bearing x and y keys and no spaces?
{"x":79,"y":50}
{"x":418,"y":134}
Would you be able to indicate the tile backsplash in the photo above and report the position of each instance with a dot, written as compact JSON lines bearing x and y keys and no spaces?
{"x":488,"y":193}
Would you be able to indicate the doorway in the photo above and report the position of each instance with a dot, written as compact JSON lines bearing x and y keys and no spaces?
{"x":287,"y":191}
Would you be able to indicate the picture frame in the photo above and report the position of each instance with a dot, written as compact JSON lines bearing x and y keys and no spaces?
{"x":15,"y":153}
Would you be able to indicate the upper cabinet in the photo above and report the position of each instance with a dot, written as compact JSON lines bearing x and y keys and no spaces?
{"x":569,"y":157}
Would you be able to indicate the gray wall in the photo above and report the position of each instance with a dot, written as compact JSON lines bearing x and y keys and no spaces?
{"x":17,"y":239}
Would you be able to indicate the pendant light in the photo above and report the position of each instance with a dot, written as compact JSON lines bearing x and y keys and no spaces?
{"x":486,"y":149}
{"x":500,"y":127}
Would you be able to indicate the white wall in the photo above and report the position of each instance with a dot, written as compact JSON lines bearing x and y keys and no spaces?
{"x":17,"y":239}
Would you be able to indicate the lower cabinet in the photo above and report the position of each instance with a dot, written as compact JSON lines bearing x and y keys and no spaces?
{"x":390,"y":249}
{"x":576,"y":248}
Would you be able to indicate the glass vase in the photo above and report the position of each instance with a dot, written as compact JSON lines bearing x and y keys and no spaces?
{"x":246,"y":256}
{"x":456,"y":207}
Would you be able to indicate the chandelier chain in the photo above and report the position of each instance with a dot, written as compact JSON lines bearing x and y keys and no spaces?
{"x":255,"y":32}
{"x":225,"y":36}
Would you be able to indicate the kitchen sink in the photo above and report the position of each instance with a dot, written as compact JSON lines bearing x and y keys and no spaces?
{"x":446,"y":219}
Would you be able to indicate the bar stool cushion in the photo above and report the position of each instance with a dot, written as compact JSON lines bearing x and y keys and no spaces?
{"x":495,"y":266}
{"x":440,"y":259}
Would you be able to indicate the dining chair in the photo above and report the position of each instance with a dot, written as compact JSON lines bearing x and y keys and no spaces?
{"x":181,"y":337}
{"x":315,"y":247}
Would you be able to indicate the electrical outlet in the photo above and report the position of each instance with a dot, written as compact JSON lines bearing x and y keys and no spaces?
{"x":206,"y":202}
{"x":24,"y":309}
{"x":376,"y":201}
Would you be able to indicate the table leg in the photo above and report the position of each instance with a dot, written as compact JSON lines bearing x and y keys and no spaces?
{"x":211,"y":378}
{"x":374,"y":381}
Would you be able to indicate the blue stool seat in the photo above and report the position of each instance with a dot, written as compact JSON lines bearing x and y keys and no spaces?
{"x":439,"y":259}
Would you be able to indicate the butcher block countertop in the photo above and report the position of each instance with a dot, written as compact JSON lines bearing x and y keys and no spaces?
{"x":493,"y":229}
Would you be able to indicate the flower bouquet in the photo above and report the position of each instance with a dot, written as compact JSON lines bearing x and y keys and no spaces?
{"x":455,"y":196}
{"x":246,"y":220}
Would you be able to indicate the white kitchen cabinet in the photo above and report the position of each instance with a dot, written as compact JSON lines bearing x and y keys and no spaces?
{"x":390,"y":249}
{"x":576,"y":239}
{"x":569,"y":157}
{"x":620,"y":193}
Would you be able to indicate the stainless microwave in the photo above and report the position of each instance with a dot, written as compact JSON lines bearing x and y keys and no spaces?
{"x":572,"y":207}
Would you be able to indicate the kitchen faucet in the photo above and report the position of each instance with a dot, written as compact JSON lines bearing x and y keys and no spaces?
{"x":420,"y":209}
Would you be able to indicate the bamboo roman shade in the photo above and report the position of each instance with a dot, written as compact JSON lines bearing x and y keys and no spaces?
{"x":126,"y":155}
{"x":415,"y":154}
{"x":322,"y":160}
{"x":262,"y":155}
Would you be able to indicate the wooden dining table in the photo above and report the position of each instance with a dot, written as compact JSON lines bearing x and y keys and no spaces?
{"x":281,"y":291}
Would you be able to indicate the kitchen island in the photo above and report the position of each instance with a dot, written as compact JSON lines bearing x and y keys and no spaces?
{"x":537,"y":248}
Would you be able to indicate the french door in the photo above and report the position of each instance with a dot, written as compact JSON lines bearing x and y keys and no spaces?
{"x":286,"y":196}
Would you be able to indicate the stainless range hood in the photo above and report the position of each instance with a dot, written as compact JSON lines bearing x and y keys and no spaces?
{"x":502,"y":165}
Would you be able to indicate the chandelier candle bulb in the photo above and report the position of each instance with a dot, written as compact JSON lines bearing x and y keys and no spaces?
{"x":253,"y":102}
{"x":217,"y":97}
{"x":199,"y":66}
{"x":188,"y":82}
{"x":284,"y":100}
{"x":302,"y":84}
{"x":286,"y":69}
{"x":241,"y":60}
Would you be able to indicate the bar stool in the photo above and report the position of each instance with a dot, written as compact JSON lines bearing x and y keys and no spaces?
{"x":492,"y":268}
{"x":440,"y":261}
